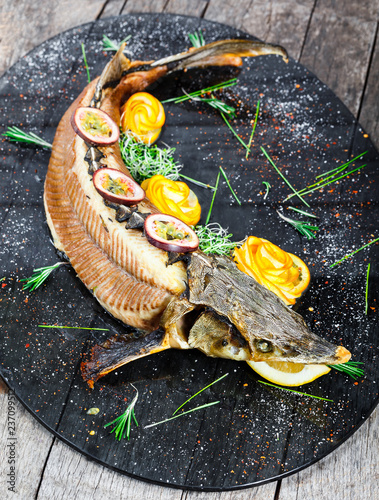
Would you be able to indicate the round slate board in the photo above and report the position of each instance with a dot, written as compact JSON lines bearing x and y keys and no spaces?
{"x":256,"y":433}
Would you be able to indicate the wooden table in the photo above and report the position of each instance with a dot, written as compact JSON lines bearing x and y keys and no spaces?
{"x":336,"y":39}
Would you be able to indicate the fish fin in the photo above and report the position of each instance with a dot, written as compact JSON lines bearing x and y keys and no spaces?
{"x":199,"y":56}
{"x":120,"y":350}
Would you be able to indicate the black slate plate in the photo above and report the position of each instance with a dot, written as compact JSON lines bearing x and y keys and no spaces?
{"x":256,"y":433}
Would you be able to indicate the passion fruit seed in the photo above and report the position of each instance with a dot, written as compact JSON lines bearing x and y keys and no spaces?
{"x":168,"y":231}
{"x":116,"y":186}
{"x":95,"y":125}
{"x":170,"y":234}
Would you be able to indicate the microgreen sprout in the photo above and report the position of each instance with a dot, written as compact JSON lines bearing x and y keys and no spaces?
{"x":111,"y":45}
{"x":282,"y":176}
{"x":197,"y":38}
{"x":39,"y":276}
{"x":351,"y":368}
{"x":124,"y":421}
{"x":252,"y":132}
{"x":229,"y":186}
{"x":268,"y":187}
{"x":295,"y":392}
{"x":366,"y":294}
{"x":353,"y":253}
{"x":85,"y":63}
{"x":215,"y":239}
{"x":301,"y":226}
{"x":15,"y":134}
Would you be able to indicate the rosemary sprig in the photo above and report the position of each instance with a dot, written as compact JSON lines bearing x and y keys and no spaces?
{"x":282,"y":176}
{"x":213,"y":199}
{"x":181,"y":414}
{"x":366,"y":294}
{"x":124,"y":421}
{"x":351,"y":368}
{"x":197,"y":93}
{"x":303,"y":228}
{"x":295,"y":392}
{"x":217,"y":104}
{"x":252,"y":132}
{"x":15,"y":134}
{"x":268,"y":186}
{"x":74,"y":327}
{"x":230,"y":187}
{"x":353,"y":253}
{"x":197,"y":38}
{"x":39,"y":276}
{"x":112,"y":45}
{"x":215,"y":239}
{"x":85,"y":63}
{"x":201,"y":390}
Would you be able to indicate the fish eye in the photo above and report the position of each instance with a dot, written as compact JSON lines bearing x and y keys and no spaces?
{"x":264,"y":346}
{"x":224,"y":343}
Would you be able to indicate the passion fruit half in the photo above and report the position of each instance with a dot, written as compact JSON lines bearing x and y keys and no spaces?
{"x":117,"y":187}
{"x":170,"y":234}
{"x":95,"y":126}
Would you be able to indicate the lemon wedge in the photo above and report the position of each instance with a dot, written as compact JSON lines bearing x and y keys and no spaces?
{"x":288,"y":374}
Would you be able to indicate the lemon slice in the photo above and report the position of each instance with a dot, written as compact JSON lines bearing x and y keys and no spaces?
{"x":288,"y":374}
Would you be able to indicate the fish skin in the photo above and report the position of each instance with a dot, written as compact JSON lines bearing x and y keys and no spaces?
{"x":132,"y":279}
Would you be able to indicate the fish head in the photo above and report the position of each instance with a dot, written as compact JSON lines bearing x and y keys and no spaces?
{"x":243,"y":320}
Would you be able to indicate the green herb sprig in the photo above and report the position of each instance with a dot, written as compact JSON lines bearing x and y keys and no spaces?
{"x":253,"y":131}
{"x":353,"y":253}
{"x":239,"y":139}
{"x":282,"y":176}
{"x":74,"y":327}
{"x":39,"y":276}
{"x":15,"y":134}
{"x":268,"y":187}
{"x":229,"y":186}
{"x":350,"y":368}
{"x":122,"y":424}
{"x":366,"y":294}
{"x":85,"y":63}
{"x":303,"y":227}
{"x":295,"y":392}
{"x":198,"y":93}
{"x":182,"y":414}
{"x":213,"y":199}
{"x":215,"y":239}
{"x":197,"y":38}
{"x":111,"y":45}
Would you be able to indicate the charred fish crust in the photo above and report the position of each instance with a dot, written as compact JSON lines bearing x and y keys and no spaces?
{"x":119,"y":350}
{"x":123,"y":213}
{"x":257,"y":313}
{"x":136,"y":220}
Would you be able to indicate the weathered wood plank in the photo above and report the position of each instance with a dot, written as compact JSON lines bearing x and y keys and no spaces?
{"x":144,"y":6}
{"x":194,"y":7}
{"x":91,"y":481}
{"x":369,"y":113}
{"x":350,"y":473}
{"x":264,"y":492}
{"x":24,"y":24}
{"x":112,"y":8}
{"x":228,"y":11}
{"x":32,"y":444}
{"x":331,"y":28}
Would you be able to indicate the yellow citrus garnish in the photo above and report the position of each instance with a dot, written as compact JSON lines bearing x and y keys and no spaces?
{"x":173,"y":198}
{"x":144,"y":116}
{"x":281,"y":272}
{"x":288,"y":374}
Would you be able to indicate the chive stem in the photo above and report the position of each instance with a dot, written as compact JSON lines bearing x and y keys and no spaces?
{"x":353,"y":253}
{"x":295,"y":392}
{"x":303,"y":212}
{"x":268,"y":186}
{"x":73,"y":327}
{"x":181,"y":414}
{"x":230,"y":187}
{"x":296,"y":193}
{"x":198,"y":183}
{"x":366,"y":295}
{"x":85,"y":63}
{"x":252,"y":132}
{"x":213,"y":199}
{"x":234,"y":132}
{"x":185,"y":97}
{"x":201,"y":390}
{"x":341,"y":167}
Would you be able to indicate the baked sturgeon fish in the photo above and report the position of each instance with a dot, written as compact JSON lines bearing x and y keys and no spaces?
{"x":204,"y":302}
